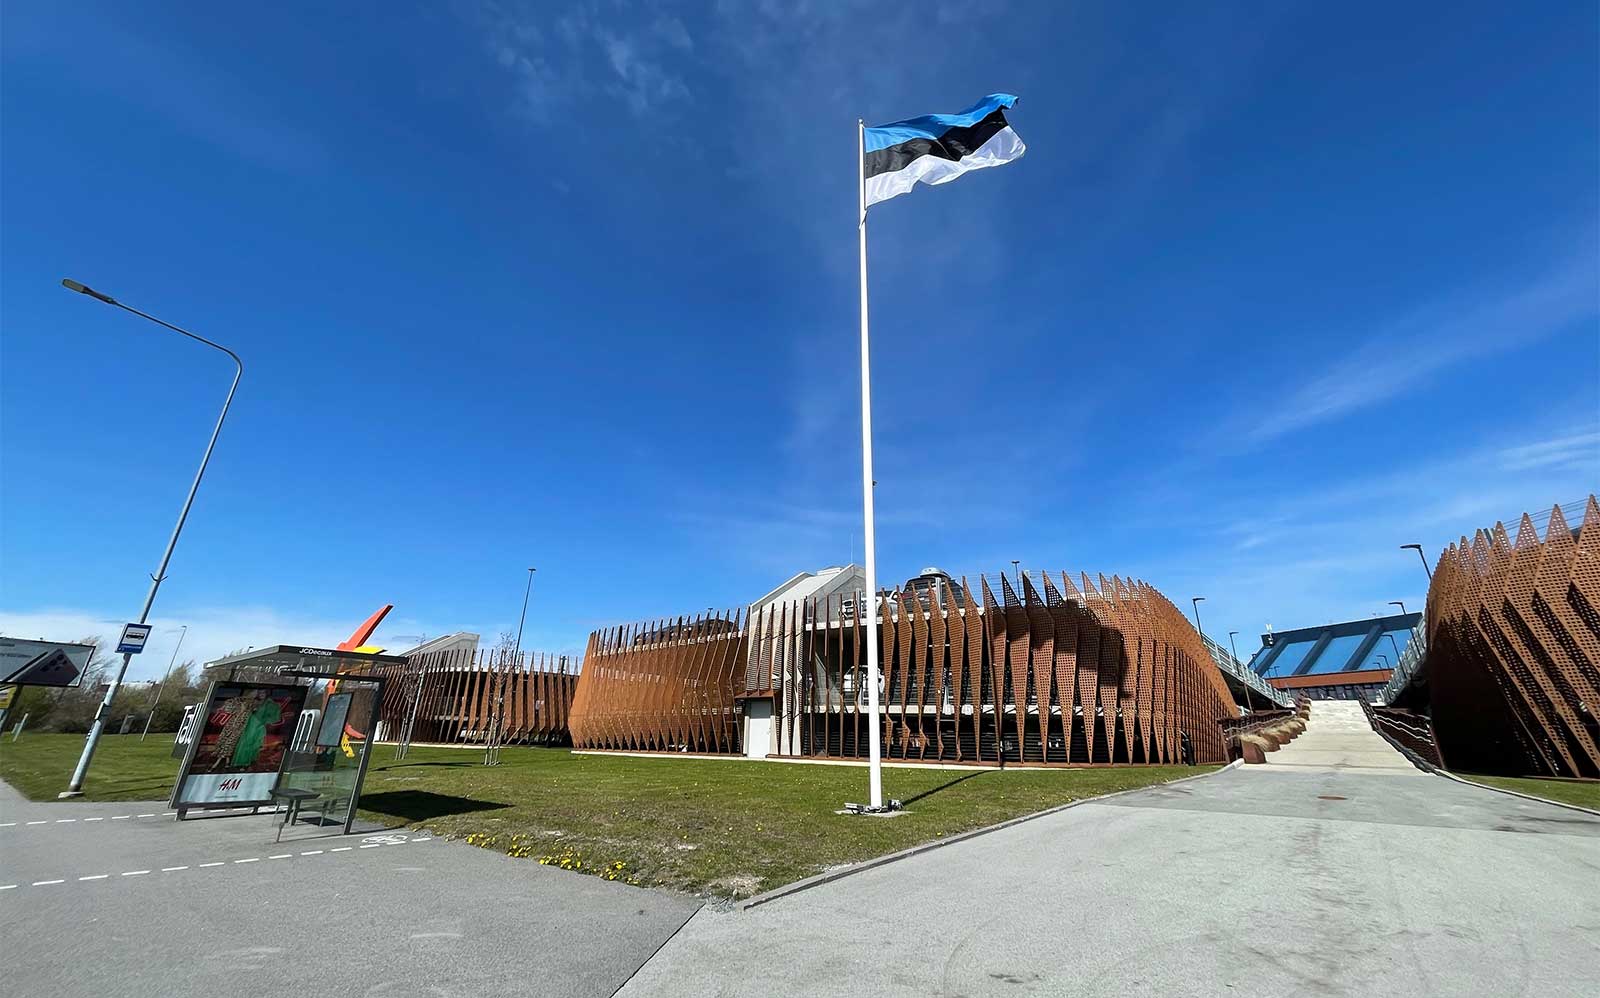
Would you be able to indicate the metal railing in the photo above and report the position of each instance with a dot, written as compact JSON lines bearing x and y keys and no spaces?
{"x":1411,"y":660}
{"x":1232,"y":666}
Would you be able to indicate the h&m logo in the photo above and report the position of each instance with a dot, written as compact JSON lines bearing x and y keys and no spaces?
{"x":233,"y":784}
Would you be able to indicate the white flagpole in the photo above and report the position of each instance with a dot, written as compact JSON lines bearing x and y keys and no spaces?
{"x":874,"y":734}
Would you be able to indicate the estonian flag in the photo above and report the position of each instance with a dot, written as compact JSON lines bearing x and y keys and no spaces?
{"x":937,"y":148}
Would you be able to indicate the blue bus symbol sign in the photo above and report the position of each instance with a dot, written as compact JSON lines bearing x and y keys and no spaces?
{"x":133,"y":639}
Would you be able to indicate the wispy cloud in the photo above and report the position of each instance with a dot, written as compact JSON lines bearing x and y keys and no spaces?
{"x":1406,"y":352}
{"x":1579,"y":451}
{"x":560,"y":58}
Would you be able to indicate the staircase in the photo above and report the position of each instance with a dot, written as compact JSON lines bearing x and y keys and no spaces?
{"x":1337,"y":736}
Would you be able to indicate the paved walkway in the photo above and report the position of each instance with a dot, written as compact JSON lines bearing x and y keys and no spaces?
{"x":1353,"y":877}
{"x":119,"y":899}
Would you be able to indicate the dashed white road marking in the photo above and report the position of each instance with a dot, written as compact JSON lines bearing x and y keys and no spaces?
{"x":38,"y":822}
{"x":119,"y":817}
{"x":6,"y":824}
{"x":63,"y":821}
{"x":101,"y":818}
{"x":396,"y":840}
{"x":144,"y":815}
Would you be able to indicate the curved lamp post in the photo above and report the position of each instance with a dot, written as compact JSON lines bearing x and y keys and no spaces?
{"x":75,"y":787}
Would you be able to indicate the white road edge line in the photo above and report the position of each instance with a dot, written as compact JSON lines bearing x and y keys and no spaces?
{"x":101,"y":818}
{"x":119,"y":817}
{"x":98,"y":876}
{"x":282,"y":855}
{"x":340,"y":849}
{"x":63,"y":821}
{"x":173,"y":869}
{"x":312,"y":852}
{"x":38,"y":822}
{"x":203,"y":865}
{"x":252,"y":859}
{"x":371,"y":845}
{"x":147,"y":815}
{"x":47,"y":883}
{"x":136,"y":873}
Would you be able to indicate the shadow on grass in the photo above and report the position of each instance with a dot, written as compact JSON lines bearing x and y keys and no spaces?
{"x":421,"y":805}
{"x":943,"y":786}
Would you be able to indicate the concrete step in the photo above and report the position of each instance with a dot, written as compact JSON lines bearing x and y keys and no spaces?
{"x":1338,"y":737}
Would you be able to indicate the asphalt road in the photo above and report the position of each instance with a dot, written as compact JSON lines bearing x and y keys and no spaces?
{"x":118,"y":899}
{"x":1263,"y":880}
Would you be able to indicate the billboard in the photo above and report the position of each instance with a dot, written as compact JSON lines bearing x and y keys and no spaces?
{"x":242,"y":736}
{"x":42,"y":663}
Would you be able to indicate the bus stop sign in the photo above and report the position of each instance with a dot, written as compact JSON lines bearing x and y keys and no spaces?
{"x":133,"y":639}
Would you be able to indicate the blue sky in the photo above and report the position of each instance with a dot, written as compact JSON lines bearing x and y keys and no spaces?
{"x":573,"y":285}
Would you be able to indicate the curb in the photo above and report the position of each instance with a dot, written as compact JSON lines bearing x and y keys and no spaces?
{"x":830,"y":876}
{"x":1517,"y":793}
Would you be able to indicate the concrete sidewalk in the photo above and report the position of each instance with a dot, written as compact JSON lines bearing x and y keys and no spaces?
{"x":1265,"y":880}
{"x":118,"y":899}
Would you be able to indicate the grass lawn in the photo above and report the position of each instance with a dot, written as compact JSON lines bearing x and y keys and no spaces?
{"x":1584,"y":793}
{"x":702,"y":825}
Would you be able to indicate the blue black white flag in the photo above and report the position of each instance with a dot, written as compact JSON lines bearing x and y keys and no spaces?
{"x":937,"y":148}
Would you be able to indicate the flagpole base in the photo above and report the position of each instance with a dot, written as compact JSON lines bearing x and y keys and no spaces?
{"x":892,"y":807}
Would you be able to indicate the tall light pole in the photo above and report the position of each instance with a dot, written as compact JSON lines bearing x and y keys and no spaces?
{"x":1418,"y":549}
{"x":1234,"y":647}
{"x":524,"y":619}
{"x":75,"y":788}
{"x":1399,"y":603}
{"x":1196,"y":601}
{"x":1017,"y":573}
{"x":1390,"y":636}
{"x":163,"y":687}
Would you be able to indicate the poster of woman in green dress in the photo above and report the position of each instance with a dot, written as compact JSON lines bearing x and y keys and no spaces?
{"x":247,"y":728}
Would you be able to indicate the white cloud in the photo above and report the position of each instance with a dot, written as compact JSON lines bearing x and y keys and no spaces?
{"x":1405,"y":352}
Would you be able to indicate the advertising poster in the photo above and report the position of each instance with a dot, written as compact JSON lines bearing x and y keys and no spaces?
{"x":243,"y":734}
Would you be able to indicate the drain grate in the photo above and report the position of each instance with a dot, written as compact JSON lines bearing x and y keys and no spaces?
{"x":1330,"y":797}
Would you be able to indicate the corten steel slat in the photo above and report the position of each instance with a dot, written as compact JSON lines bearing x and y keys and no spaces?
{"x":833,"y":651}
{"x":1538,"y":667}
{"x":1091,"y":633}
{"x":959,"y":633}
{"x":1065,"y":665}
{"x":1131,"y":608}
{"x":1507,"y":575}
{"x":1016,"y":660}
{"x":1041,"y":653}
{"x":699,"y":720}
{"x":1504,"y":656}
{"x":1582,"y":590}
{"x":995,"y":632}
{"x":1085,"y":662}
{"x":940,"y":662}
{"x":917,"y":655}
{"x":1555,"y":629}
{"x":1108,"y":673}
{"x":972,"y":641}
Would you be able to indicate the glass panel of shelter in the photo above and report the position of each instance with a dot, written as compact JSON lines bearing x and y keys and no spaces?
{"x":327,"y":758}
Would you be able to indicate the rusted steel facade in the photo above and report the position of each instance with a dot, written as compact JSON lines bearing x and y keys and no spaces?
{"x":1043,"y":672}
{"x":1514,"y":647}
{"x":669,"y":685}
{"x":462,"y":696}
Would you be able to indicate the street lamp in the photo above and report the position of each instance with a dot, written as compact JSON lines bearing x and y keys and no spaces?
{"x":1418,"y":549}
{"x":1399,"y":603}
{"x":524,"y":618}
{"x":1234,"y":647}
{"x":75,"y":787}
{"x":1017,"y":573}
{"x":163,"y":687}
{"x":1196,"y":601}
{"x":1390,"y":636}
{"x":1385,"y":659}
